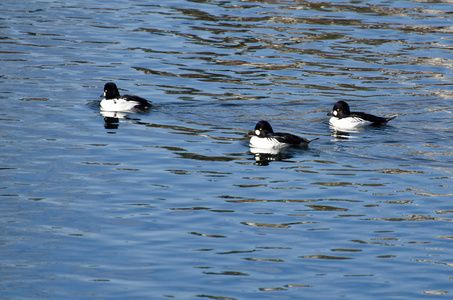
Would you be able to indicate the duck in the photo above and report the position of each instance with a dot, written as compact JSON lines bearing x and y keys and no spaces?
{"x":114,"y":102}
{"x":343,"y":118}
{"x":264,"y":137}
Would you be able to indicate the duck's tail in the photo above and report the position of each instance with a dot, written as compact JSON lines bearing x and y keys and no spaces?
{"x":311,"y":140}
{"x":390,"y":118}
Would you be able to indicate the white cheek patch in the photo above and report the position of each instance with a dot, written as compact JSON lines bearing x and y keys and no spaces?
{"x":335,"y":113}
{"x":257,"y":132}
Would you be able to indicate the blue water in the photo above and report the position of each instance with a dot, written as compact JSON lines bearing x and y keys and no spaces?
{"x":171,"y":203}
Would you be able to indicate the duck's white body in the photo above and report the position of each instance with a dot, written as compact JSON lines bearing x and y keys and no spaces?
{"x":119,"y":104}
{"x":266,"y":143}
{"x":349,"y":122}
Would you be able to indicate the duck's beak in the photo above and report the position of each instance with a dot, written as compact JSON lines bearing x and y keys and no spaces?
{"x":330,"y":113}
{"x":103,"y":95}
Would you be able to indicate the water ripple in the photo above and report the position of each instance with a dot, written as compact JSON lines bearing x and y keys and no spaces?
{"x":128,"y":204}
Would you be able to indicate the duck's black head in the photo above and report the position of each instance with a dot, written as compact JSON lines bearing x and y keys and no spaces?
{"x":110,"y":91}
{"x":262,"y":128}
{"x":340,"y":110}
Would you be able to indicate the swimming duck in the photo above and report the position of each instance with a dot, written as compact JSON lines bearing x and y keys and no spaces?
{"x":114,"y":102}
{"x":264,"y":137}
{"x":343,"y":118}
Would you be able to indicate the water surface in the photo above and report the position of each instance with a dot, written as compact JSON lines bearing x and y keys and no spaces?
{"x":172,"y":203}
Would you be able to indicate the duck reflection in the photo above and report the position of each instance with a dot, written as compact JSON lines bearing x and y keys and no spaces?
{"x":263,"y":156}
{"x":339,"y":134}
{"x":344,"y":134}
{"x":111,"y":123}
{"x":113,"y":119}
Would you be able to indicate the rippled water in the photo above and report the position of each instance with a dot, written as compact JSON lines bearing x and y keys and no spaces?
{"x":172,"y":203}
